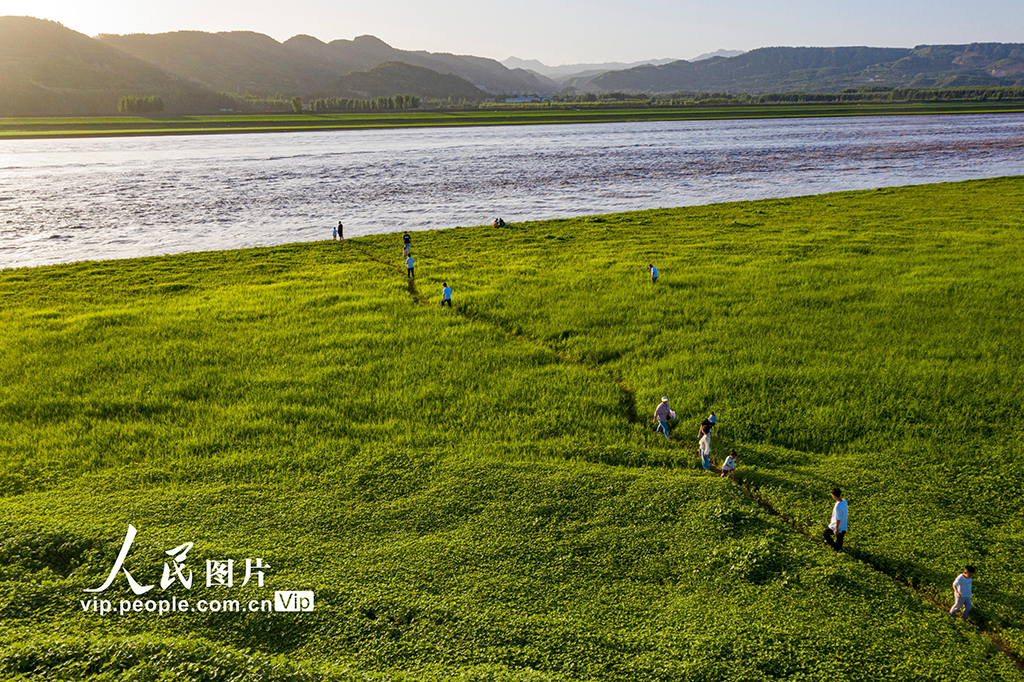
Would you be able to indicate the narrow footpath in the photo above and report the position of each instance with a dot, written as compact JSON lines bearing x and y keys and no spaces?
{"x":631,"y":413}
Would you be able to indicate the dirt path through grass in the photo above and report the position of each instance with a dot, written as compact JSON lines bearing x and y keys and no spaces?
{"x":630,"y":407}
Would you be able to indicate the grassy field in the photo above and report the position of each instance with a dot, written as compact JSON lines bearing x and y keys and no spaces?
{"x":17,"y":128}
{"x":477,"y":493}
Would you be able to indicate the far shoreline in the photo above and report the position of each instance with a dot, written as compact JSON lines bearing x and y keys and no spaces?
{"x":36,"y":128}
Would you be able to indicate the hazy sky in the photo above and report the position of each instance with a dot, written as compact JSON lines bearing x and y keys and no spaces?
{"x":561,"y":31}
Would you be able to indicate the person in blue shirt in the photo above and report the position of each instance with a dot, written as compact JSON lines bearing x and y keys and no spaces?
{"x":654,"y":273}
{"x":409,"y":267}
{"x":962,"y":592}
{"x":837,"y":526}
{"x":446,"y":295}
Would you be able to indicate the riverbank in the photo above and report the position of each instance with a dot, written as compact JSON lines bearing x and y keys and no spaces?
{"x":478,"y":490}
{"x":128,"y":126}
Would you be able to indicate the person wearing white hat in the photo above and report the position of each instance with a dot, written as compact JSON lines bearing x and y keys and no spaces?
{"x":661,"y":416}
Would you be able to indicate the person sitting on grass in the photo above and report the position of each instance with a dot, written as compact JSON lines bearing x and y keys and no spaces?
{"x":962,"y":592}
{"x":729,"y":465}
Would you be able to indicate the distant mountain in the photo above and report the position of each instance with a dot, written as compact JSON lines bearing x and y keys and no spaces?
{"x":395,"y":78}
{"x":237,"y":62}
{"x":717,"y":53}
{"x":562,"y":73}
{"x":47,"y":69}
{"x":822,"y":69}
{"x":241,"y":62}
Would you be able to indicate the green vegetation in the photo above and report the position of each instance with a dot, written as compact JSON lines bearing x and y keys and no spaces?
{"x":140,"y":105}
{"x":484,"y":115}
{"x":379,"y":104}
{"x":477,"y":493}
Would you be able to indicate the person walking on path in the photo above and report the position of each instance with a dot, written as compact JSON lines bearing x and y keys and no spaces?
{"x":729,"y":465}
{"x":654,"y":273}
{"x":962,"y":592}
{"x":705,"y":460}
{"x":409,"y":263}
{"x":662,"y":414}
{"x":837,"y":526}
{"x":406,"y":244}
{"x":710,"y":423}
{"x":446,"y":295}
{"x":341,"y":231}
{"x":704,"y":441}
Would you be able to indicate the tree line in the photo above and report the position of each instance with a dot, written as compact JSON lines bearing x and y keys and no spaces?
{"x":378,"y":104}
{"x":140,"y":104}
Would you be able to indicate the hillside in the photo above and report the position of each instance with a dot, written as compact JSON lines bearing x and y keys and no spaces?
{"x":784,"y":69}
{"x":47,"y":69}
{"x":476,"y":492}
{"x":395,"y":78}
{"x":241,"y":62}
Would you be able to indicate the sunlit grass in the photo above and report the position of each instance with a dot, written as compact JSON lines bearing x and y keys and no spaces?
{"x":477,"y":492}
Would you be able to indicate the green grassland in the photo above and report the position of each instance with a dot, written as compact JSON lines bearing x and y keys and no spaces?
{"x":17,"y":128}
{"x":477,"y":493}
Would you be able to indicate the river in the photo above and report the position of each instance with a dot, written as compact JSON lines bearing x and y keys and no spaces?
{"x":83,"y":199}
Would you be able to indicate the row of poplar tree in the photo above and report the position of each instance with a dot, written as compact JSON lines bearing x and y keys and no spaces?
{"x":381,"y":103}
{"x":140,"y":104}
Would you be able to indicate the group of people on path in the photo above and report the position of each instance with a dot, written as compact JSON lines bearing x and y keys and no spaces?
{"x":833,"y":535}
{"x":835,"y":532}
{"x":410,"y":270}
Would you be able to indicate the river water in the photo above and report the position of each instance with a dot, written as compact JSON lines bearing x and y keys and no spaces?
{"x":84,"y":199}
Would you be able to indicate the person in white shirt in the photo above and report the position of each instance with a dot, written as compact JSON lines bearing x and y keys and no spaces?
{"x":729,"y":465}
{"x":837,"y":526}
{"x":409,"y":263}
{"x":962,"y":592}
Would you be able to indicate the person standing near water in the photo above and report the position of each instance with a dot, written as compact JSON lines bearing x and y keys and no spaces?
{"x":661,"y":416}
{"x":341,"y":233}
{"x":446,"y":295}
{"x":406,"y":245}
{"x":837,"y":526}
{"x":409,"y":263}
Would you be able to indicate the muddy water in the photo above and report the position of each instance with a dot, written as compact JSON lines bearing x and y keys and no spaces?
{"x":69,"y":200}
